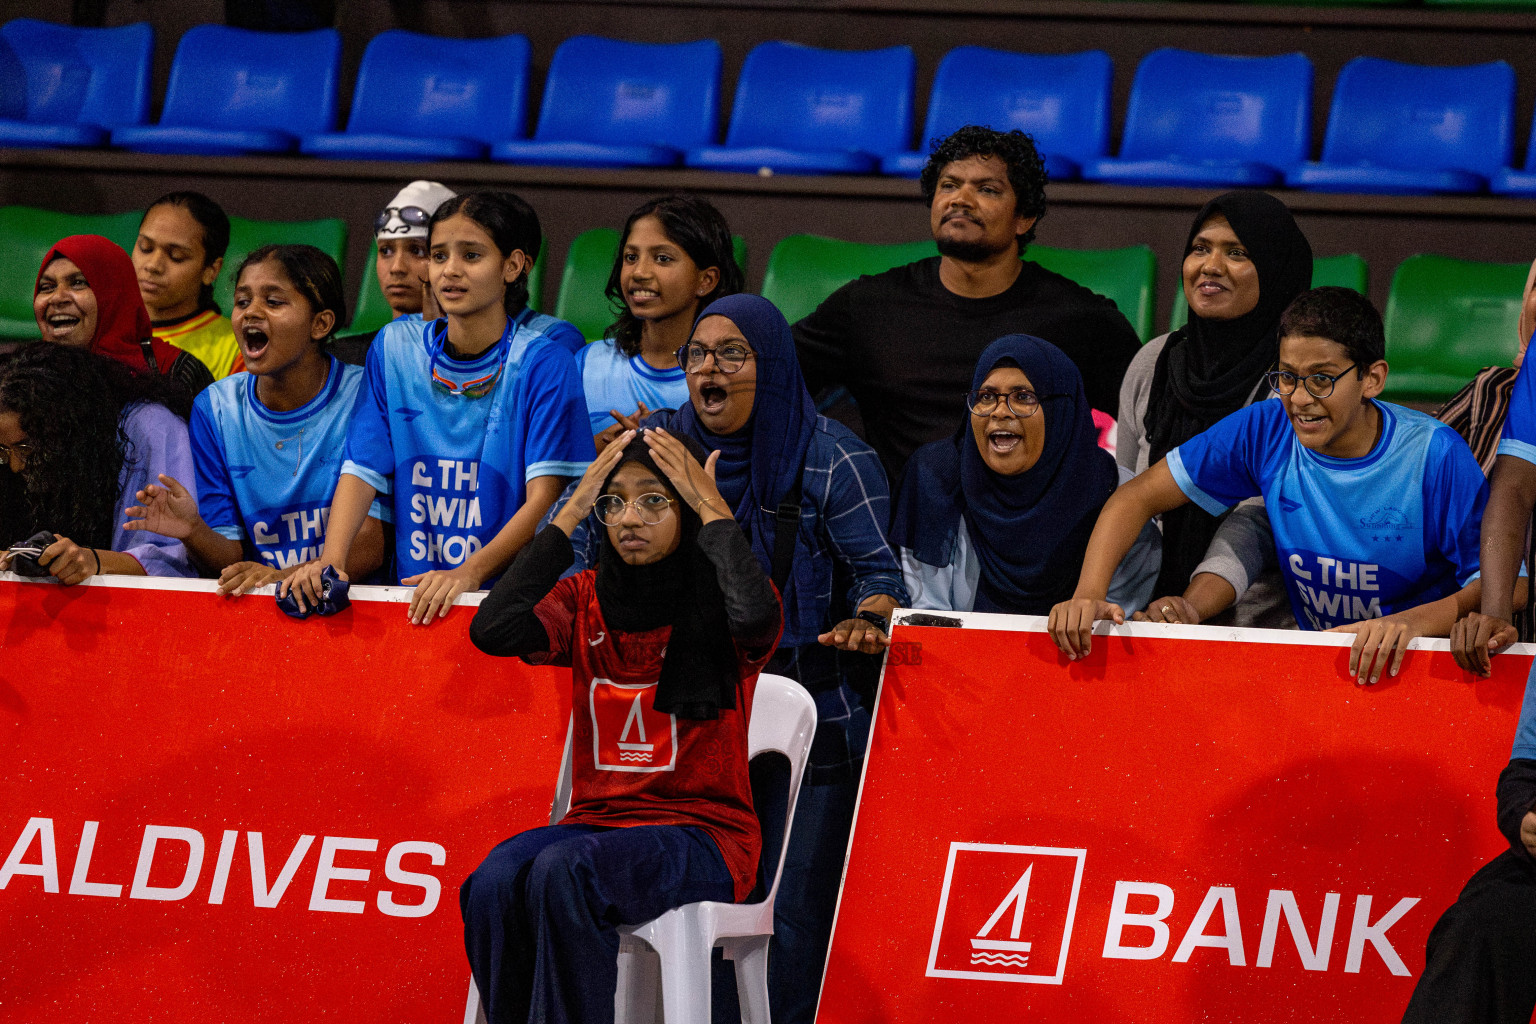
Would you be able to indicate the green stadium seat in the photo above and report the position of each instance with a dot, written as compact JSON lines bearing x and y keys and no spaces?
{"x":804,"y":269}
{"x":1345,"y":271}
{"x":26,"y":235}
{"x":372,"y":310}
{"x":1447,"y":319}
{"x":582,"y":299}
{"x":328,"y":235}
{"x":1128,"y":276}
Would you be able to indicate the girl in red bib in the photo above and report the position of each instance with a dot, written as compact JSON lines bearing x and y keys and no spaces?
{"x":665,"y":640}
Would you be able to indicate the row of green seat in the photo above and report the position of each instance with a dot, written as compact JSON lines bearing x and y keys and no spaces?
{"x":1445,"y":318}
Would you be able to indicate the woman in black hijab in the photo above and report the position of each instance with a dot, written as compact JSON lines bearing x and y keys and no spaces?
{"x":1244,"y":261}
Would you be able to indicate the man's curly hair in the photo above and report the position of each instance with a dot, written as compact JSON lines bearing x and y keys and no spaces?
{"x":70,"y":404}
{"x":1026,"y":171}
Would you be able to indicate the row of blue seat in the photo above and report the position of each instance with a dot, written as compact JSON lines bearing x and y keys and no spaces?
{"x":1194,"y":119}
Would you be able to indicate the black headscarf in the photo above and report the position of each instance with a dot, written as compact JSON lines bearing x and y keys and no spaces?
{"x":698,"y":671}
{"x":1029,"y":531}
{"x":1208,"y":369}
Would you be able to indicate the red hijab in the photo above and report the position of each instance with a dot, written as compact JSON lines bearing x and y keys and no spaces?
{"x":122,"y":322}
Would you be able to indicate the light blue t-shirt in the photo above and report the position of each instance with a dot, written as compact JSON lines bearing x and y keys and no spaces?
{"x":267,"y":478}
{"x":613,"y":380}
{"x":458,"y":467}
{"x":1356,"y":538}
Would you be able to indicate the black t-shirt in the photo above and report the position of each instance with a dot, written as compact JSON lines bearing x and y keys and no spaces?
{"x":906,"y":347}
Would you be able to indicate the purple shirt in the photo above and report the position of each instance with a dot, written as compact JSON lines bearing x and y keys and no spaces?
{"x":157,"y":443}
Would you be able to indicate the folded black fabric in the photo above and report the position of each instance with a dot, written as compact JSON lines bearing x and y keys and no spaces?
{"x":24,"y":555}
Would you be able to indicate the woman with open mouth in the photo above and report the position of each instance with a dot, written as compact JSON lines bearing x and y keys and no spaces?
{"x":997,"y":517}
{"x":87,"y":296}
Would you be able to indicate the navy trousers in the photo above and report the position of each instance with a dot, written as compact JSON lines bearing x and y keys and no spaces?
{"x":541,"y":913}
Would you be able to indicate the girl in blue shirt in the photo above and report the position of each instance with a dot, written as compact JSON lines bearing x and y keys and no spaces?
{"x":267,"y":442}
{"x":471,"y":423}
{"x":675,"y":257}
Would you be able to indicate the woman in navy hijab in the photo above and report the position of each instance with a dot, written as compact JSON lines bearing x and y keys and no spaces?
{"x":996,"y":518}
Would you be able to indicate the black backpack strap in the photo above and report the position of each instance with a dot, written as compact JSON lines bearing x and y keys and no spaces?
{"x":148,"y":348}
{"x":786,"y":524}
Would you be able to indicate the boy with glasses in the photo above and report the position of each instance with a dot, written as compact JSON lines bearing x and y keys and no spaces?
{"x":1375,"y":508}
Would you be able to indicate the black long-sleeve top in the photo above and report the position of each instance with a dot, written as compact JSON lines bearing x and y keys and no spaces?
{"x":1517,"y":798}
{"x":905,"y":347}
{"x":507,"y":626}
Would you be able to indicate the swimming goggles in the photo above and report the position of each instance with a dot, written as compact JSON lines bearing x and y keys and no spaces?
{"x":480,"y":386}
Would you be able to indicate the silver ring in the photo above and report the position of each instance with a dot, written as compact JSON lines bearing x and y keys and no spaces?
{"x":1167,"y":608}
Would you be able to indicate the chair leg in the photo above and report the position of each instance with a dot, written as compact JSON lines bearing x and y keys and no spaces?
{"x":635,"y":1000}
{"x":751,"y":956}
{"x":685,"y":971}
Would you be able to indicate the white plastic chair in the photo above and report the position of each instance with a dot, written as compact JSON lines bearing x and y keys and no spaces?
{"x":674,"y":949}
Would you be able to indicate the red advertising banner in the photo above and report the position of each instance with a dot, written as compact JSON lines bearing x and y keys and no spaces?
{"x":1189,"y":824}
{"x":212,"y":812}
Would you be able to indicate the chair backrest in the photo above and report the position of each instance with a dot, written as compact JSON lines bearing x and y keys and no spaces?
{"x":240,"y":79}
{"x":1447,"y":319}
{"x":97,"y":76}
{"x":804,"y":98}
{"x":1061,"y":100}
{"x":26,"y":235}
{"x":582,"y":300}
{"x":617,"y":92}
{"x":328,"y":235}
{"x":1203,"y":106}
{"x":804,"y":269}
{"x":1422,"y":117}
{"x":1345,"y":271}
{"x":783,"y":722}
{"x":429,"y":87}
{"x":1128,"y":276}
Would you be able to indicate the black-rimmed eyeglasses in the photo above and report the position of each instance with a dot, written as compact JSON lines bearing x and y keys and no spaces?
{"x":1318,"y":385}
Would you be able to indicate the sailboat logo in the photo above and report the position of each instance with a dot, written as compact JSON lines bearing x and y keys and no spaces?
{"x":628,"y":733}
{"x":1010,"y":951}
{"x":632,"y":745}
{"x":1006,"y":913}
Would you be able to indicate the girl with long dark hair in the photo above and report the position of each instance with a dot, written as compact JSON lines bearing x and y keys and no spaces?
{"x":675,"y":257}
{"x":79,"y":436}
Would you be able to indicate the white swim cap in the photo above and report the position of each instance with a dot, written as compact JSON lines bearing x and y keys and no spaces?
{"x":425,"y":196}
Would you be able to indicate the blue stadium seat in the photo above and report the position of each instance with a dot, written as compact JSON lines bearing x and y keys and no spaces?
{"x":233,"y":90}
{"x":1414,"y":129}
{"x":803,"y":110}
{"x":1207,"y":121}
{"x":426,"y":98}
{"x":1510,"y":181}
{"x":1060,"y":100}
{"x":75,"y":83}
{"x":610,"y":103}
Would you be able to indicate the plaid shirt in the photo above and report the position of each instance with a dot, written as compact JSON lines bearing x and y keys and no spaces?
{"x":845,"y":507}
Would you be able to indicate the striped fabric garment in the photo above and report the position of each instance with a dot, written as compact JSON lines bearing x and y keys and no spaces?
{"x":1476,"y":412}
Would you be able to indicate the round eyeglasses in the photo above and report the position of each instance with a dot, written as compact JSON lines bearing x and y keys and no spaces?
{"x":1022,"y":403}
{"x":21,"y":449}
{"x":652,"y":508}
{"x":729,"y":357}
{"x":1318,"y":385}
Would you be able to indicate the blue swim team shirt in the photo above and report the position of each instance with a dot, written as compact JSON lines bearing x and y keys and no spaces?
{"x":613,"y":380}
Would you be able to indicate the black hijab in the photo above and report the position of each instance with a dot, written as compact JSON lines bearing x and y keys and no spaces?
{"x":1029,"y":531}
{"x":699,"y":670}
{"x":1208,"y":369}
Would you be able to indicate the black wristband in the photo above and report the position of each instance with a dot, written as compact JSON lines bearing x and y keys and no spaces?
{"x":875,"y":619}
{"x":98,"y":560}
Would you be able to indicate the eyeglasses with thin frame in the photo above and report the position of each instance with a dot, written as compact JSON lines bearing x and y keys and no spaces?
{"x":22,"y":449}
{"x":1318,"y":385}
{"x":651,"y":507}
{"x":414,"y":216}
{"x":1023,"y":403}
{"x":729,"y":358}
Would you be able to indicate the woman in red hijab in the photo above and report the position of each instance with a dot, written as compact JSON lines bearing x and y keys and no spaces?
{"x":87,"y":296}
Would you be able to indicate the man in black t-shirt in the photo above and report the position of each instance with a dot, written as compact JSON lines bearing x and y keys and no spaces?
{"x":905,"y":342}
